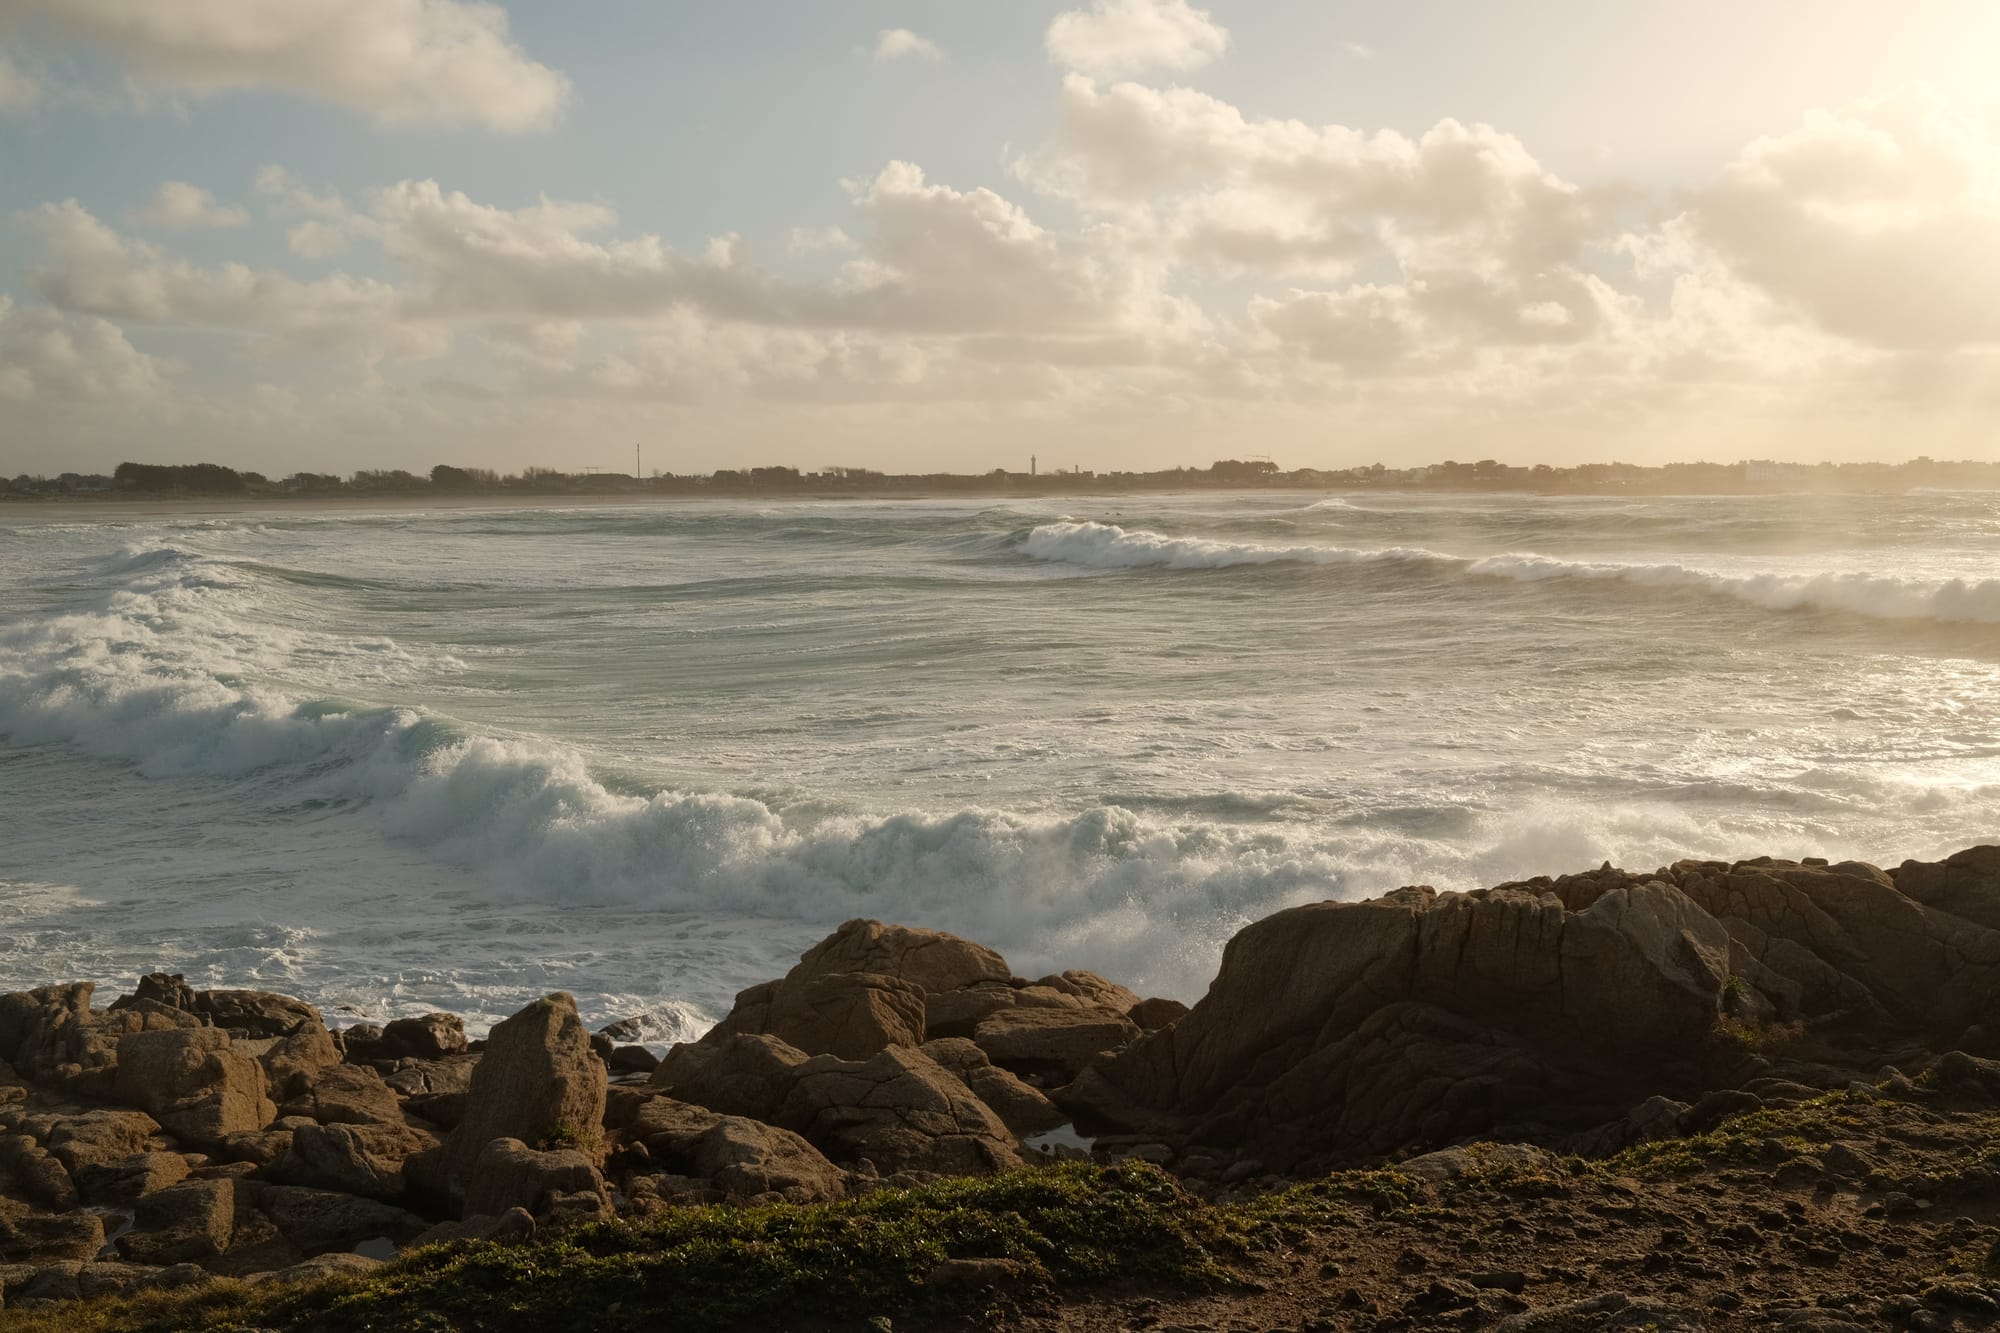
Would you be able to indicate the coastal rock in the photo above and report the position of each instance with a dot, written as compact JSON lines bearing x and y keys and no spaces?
{"x":28,"y":1236}
{"x":747,"y":1075}
{"x":256,"y":1014}
{"x":851,"y":1015}
{"x":37,"y":1174}
{"x":361,"y":1159}
{"x":537,"y":1080}
{"x":436,"y":1090}
{"x":865,"y":987}
{"x":183,"y":1223}
{"x":293,"y":1064}
{"x":509,"y":1174}
{"x":44,"y":1029}
{"x":312,"y":1270}
{"x":317,"y":1221}
{"x":929,"y":959}
{"x":426,"y":1037}
{"x":900,"y":1110}
{"x":744,"y":1159}
{"x":1154,"y":1014}
{"x":1350,"y":1028}
{"x":512,"y":1226}
{"x":193,"y":1083}
{"x":1023,"y":1109}
{"x":88,"y":1138}
{"x":1057,"y":1043}
{"x":123,"y":1180}
{"x":348,"y":1095}
{"x":1965,"y":885}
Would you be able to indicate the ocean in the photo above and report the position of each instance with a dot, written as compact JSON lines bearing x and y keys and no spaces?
{"x":400,"y":760}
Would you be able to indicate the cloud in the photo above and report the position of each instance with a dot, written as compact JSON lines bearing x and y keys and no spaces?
{"x":1123,"y":37}
{"x":1360,"y":51}
{"x":177,"y":205}
{"x":87,"y":268}
{"x":399,"y":62}
{"x":818,"y":240}
{"x":48,"y":355}
{"x":902,"y":44}
{"x":1878,"y":223}
{"x":20,"y":91}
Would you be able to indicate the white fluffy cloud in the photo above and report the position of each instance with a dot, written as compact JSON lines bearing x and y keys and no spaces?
{"x":48,"y":355}
{"x":177,"y":205}
{"x":400,"y":62}
{"x":87,"y":268}
{"x":1209,"y":270}
{"x":1122,"y":37}
{"x":902,"y":44}
{"x":1879,"y":223}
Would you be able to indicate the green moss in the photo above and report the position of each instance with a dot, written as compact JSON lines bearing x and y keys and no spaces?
{"x":718,"y":1266}
{"x":1758,"y":1138}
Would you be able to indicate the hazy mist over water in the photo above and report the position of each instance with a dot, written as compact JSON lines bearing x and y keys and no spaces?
{"x":406,"y":760}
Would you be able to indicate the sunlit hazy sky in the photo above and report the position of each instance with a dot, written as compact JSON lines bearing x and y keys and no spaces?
{"x":335,"y":234}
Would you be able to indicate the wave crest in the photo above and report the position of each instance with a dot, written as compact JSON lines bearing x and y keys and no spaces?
{"x":1106,"y":546}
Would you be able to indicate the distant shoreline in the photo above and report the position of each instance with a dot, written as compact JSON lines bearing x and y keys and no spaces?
{"x":403,"y":500}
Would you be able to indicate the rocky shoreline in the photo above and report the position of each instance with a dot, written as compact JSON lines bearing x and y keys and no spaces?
{"x":1701,"y":1079}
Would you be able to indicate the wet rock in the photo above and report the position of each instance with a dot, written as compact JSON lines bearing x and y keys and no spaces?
{"x":257,"y":1014}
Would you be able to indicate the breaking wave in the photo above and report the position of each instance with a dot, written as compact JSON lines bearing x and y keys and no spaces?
{"x":1105,"y":546}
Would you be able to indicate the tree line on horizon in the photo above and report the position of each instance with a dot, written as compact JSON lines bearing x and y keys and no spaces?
{"x":215,"y":479}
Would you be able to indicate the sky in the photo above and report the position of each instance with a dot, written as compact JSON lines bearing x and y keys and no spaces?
{"x":918,"y":235}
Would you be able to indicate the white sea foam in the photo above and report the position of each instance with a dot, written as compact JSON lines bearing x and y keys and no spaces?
{"x":307,"y":822}
{"x":1107,"y":546}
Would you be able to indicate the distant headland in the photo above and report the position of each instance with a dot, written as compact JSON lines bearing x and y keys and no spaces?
{"x":145,"y":481}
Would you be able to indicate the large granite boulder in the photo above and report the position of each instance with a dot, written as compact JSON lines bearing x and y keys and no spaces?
{"x":44,"y":1029}
{"x":366,"y":1159}
{"x":1339,"y":1030}
{"x":318,"y":1221}
{"x":537,"y":1081}
{"x":1965,"y":885}
{"x":562,"y":1183}
{"x":749,"y":1074}
{"x":424,"y":1037}
{"x":745,"y":1160}
{"x":31,"y":1236}
{"x":899,"y":1110}
{"x":194,"y":1083}
{"x":1850,"y":937}
{"x":183,"y":1223}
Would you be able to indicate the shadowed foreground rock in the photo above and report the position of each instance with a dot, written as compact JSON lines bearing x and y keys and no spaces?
{"x":230,"y":1133}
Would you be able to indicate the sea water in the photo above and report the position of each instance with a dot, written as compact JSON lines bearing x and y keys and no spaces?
{"x":393,"y":760}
